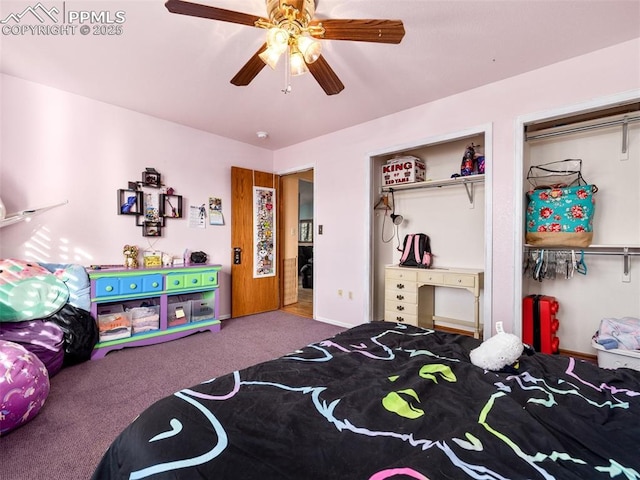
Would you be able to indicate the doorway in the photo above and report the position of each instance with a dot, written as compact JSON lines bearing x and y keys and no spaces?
{"x":297,"y":242}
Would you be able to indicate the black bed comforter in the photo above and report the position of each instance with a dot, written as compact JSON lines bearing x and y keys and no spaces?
{"x":386,"y":401}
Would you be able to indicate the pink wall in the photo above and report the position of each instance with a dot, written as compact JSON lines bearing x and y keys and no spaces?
{"x":341,"y":162}
{"x":57,"y":146}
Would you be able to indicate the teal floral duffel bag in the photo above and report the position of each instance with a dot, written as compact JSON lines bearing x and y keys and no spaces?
{"x":561,"y":216}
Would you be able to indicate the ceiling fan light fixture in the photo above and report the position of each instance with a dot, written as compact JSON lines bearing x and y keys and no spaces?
{"x":311,"y":49}
{"x":271,"y":55}
{"x":297,"y":64}
{"x":277,"y":37}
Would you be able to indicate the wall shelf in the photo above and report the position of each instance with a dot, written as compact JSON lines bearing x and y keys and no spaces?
{"x":467,"y":182}
{"x":27,"y":214}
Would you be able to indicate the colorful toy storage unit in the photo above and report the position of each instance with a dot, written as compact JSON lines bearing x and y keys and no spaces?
{"x":136,"y":307}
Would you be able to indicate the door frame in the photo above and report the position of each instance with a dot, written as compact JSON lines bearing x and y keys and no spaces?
{"x":281,"y":229}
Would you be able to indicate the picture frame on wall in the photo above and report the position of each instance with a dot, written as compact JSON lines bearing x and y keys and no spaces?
{"x":305,"y":231}
{"x":152,"y":229}
{"x":130,"y":202}
{"x":151,"y":178}
{"x":170,"y":206}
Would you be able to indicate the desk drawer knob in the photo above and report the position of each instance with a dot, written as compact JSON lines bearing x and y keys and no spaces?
{"x":400,"y":286}
{"x":459,"y":280}
{"x":109,"y":288}
{"x":400,"y":297}
{"x":155,"y":284}
{"x":195,"y":280}
{"x":399,"y":307}
{"x":133,"y":286}
{"x":400,"y":319}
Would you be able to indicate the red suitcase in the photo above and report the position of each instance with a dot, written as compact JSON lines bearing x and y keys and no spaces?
{"x":539,"y":323}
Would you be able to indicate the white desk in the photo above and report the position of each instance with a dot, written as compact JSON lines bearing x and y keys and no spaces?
{"x":409,"y":294}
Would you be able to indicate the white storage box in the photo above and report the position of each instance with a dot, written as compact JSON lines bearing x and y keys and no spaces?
{"x":145,"y":319}
{"x":202,"y":309}
{"x":113,"y":322}
{"x":401,"y":170}
{"x":178,"y":313}
{"x":617,"y":357}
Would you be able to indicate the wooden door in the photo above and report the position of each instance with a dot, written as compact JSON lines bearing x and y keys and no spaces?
{"x":250,"y":295}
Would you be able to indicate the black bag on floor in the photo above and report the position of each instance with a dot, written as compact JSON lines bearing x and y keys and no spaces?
{"x":80,"y":333}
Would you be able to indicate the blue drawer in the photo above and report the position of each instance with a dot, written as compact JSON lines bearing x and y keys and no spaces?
{"x":131,"y":285}
{"x":152,"y":283}
{"x":107,"y":287}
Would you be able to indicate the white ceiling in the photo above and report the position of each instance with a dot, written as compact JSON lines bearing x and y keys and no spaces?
{"x":178,"y":68}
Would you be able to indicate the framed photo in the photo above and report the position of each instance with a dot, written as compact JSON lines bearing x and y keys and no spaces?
{"x":305,"y":231}
{"x":151,"y":229}
{"x":129,"y":202}
{"x":151,"y":178}
{"x":170,"y":206}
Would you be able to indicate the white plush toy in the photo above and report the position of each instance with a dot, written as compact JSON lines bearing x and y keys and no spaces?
{"x":500,"y":351}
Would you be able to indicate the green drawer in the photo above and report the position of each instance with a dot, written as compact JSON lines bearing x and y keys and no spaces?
{"x":175,"y":281}
{"x":210,"y":279}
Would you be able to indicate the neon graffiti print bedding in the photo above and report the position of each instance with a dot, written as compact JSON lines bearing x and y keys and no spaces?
{"x":390,"y":401}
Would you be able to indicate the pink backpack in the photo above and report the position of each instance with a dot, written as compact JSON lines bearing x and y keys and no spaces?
{"x":416,"y":251}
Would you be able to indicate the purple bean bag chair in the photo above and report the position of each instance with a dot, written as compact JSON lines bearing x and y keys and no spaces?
{"x":44,"y":338}
{"x":24,"y":386}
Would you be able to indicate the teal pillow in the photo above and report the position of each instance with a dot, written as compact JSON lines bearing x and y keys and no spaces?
{"x":29,"y":291}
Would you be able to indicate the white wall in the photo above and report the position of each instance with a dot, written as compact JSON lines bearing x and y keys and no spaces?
{"x":341,"y":164}
{"x":57,"y":146}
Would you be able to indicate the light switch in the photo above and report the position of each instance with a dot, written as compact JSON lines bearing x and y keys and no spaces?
{"x":319,"y":229}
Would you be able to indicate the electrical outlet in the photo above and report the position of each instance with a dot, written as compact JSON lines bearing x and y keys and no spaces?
{"x":339,"y":293}
{"x":350,"y":295}
{"x":499,"y":327}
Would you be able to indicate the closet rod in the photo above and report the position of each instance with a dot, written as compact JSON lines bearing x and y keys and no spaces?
{"x":583,"y":128}
{"x":586,"y":252}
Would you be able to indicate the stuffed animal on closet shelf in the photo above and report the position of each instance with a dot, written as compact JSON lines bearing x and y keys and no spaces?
{"x":500,"y":353}
{"x":130,"y":256}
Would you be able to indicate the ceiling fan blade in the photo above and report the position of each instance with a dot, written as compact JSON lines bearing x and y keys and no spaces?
{"x":250,"y":69}
{"x":379,"y":31}
{"x":325,"y":76}
{"x":213,"y":13}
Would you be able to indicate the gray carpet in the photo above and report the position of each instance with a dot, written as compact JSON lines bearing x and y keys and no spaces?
{"x":91,"y":403}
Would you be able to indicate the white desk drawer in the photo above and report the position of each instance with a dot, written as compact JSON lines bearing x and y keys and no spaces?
{"x":401,"y":317}
{"x":400,"y":285}
{"x":457,"y":280}
{"x":431,"y":278}
{"x":401,"y":307}
{"x":401,"y":296}
{"x":406,"y":274}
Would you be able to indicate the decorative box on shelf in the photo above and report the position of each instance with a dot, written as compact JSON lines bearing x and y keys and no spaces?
{"x":401,"y":170}
{"x":136,"y":307}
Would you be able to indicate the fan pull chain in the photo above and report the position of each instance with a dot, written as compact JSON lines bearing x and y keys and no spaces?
{"x":287,"y":74}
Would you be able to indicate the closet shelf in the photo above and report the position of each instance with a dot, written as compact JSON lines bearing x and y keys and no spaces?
{"x":27,"y":214}
{"x":467,"y":182}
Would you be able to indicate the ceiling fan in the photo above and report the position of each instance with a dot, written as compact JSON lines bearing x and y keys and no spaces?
{"x":291,"y":28}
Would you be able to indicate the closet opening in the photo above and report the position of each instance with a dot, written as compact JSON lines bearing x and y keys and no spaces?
{"x":600,"y":279}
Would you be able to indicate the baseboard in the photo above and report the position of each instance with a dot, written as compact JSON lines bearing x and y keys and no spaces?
{"x":580,"y":356}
